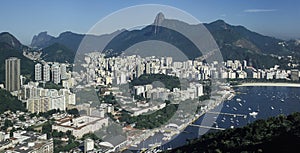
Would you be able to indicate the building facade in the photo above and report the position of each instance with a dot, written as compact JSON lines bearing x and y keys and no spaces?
{"x":38,"y":72}
{"x":12,"y":74}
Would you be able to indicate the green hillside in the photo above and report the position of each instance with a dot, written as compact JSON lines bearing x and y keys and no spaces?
{"x":9,"y":102}
{"x":276,"y":134}
{"x":58,"y":53}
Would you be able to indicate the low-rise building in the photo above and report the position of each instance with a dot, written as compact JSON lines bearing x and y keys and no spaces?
{"x":80,"y":125}
{"x":29,"y":142}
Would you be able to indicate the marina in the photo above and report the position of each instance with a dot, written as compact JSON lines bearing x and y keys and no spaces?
{"x":253,"y":107}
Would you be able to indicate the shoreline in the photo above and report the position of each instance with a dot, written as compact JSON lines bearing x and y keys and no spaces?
{"x":268,"y":84}
{"x":214,"y":104}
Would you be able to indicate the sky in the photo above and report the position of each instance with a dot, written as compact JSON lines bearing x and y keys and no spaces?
{"x":24,"y":19}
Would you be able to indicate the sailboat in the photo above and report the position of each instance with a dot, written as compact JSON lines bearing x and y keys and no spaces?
{"x":253,"y":114}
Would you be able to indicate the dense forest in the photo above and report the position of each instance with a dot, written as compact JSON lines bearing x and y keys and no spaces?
{"x":276,"y":134}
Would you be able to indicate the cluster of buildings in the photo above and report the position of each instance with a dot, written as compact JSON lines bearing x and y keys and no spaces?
{"x":98,"y":111}
{"x":194,"y":90}
{"x":122,"y":69}
{"x":20,"y":140}
{"x":234,"y":69}
{"x":26,"y":141}
{"x":24,"y":123}
{"x":119,"y":70}
{"x":55,"y":73}
{"x":38,"y":99}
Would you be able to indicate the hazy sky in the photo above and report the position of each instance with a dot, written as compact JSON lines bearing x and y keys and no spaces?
{"x":24,"y":19}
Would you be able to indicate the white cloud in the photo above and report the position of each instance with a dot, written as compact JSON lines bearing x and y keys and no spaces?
{"x":259,"y":10}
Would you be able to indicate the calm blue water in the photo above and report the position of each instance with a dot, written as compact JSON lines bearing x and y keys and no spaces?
{"x":266,"y":101}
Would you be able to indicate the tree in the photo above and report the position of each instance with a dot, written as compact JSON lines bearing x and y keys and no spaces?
{"x":47,"y":129}
{"x":69,"y":133}
{"x":11,"y":132}
{"x":9,"y":102}
{"x":7,"y":124}
{"x":22,"y":118}
{"x":74,"y":112}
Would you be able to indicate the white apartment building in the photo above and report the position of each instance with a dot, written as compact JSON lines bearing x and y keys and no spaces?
{"x":46,"y":73}
{"x":38,"y":72}
{"x":56,"y":73}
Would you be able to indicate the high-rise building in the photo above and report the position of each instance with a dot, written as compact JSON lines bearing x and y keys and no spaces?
{"x":56,"y":73}
{"x":12,"y":74}
{"x":38,"y":72}
{"x":169,"y":61}
{"x":162,"y":62}
{"x":63,"y":71}
{"x":138,"y":70}
{"x":46,"y":72}
{"x":147,"y":68}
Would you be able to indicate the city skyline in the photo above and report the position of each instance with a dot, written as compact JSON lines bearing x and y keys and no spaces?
{"x":140,"y":76}
{"x":272,"y":18}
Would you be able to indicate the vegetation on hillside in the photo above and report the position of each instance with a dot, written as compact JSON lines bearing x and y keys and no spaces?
{"x":58,"y":53}
{"x":51,"y":85}
{"x":169,"y":82}
{"x":276,"y":134}
{"x":9,"y":102}
{"x":150,"y":121}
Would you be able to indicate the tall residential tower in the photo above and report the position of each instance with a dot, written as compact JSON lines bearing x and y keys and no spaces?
{"x":12,"y":74}
{"x":38,"y":72}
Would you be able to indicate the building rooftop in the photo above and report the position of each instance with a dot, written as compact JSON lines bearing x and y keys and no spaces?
{"x":79,"y":122}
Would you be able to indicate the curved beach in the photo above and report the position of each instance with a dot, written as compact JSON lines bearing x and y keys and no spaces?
{"x":269,"y":84}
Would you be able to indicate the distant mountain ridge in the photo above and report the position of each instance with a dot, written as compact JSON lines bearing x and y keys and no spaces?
{"x":42,"y":40}
{"x":68,"y":39}
{"x":235,"y":42}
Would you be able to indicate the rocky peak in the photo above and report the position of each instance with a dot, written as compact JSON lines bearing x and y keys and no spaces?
{"x":160,"y":17}
{"x":40,"y":39}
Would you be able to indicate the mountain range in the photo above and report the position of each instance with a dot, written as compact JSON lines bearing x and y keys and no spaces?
{"x":235,"y":42}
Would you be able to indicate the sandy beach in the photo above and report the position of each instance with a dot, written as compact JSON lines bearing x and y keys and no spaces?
{"x":269,"y":84}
